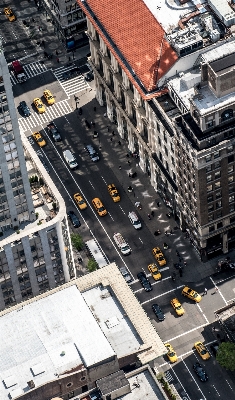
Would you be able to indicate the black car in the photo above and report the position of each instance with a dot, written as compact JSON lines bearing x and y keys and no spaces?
{"x":25,"y":109}
{"x":84,"y":68}
{"x":52,"y":129}
{"x":89,"y":76}
{"x":158,"y":312}
{"x":75,"y":71}
{"x":214,"y":348}
{"x":144,"y":281}
{"x":74,"y":219}
{"x":200,"y":372}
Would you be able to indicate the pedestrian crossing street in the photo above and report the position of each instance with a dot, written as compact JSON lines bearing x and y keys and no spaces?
{"x":55,"y":111}
{"x":30,"y":70}
{"x":71,"y":85}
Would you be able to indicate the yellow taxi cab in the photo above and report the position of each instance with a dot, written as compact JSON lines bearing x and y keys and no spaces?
{"x":177,"y":306}
{"x":39,"y":105}
{"x":114,"y":193}
{"x":171,"y":354}
{"x":49,"y":97}
{"x":202,"y":351}
{"x":80,"y":201}
{"x":159,"y":256}
{"x":98,"y":205}
{"x":154,"y":271}
{"x":39,"y":139}
{"x":191,"y":294}
{"x":9,"y":14}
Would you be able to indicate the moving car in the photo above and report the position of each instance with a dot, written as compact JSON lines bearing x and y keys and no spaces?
{"x":134,"y":219}
{"x":197,"y":367}
{"x":39,"y":105}
{"x":214,"y":348}
{"x":114,"y":193}
{"x":177,"y":306}
{"x":80,"y":201}
{"x":9,"y":13}
{"x":92,"y":153}
{"x":24,"y":108}
{"x":98,"y":205}
{"x":202,"y":351}
{"x":171,"y":354}
{"x":89,"y":76}
{"x":125,"y":274}
{"x":158,"y":312}
{"x":52,"y":129}
{"x":159,"y":256}
{"x":39,"y":139}
{"x":191,"y":294}
{"x":144,"y":281}
{"x":155,"y":272}
{"x":48,"y":96}
{"x":74,"y":219}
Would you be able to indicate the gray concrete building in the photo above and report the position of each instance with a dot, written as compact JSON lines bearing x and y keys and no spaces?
{"x":69,"y":21}
{"x":35,"y":247}
{"x":168,"y":83}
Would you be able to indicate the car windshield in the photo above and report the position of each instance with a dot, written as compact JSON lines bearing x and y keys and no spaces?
{"x":39,"y":105}
{"x":40,"y":139}
{"x":114,"y":194}
{"x":171,"y":354}
{"x":101,"y":208}
{"x":80,"y":201}
{"x":178,"y":307}
{"x":203,"y":351}
{"x":126,"y":248}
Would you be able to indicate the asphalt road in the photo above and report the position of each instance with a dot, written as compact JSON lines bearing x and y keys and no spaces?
{"x":91,"y":179}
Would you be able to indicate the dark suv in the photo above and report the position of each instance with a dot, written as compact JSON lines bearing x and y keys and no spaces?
{"x":144,"y":281}
{"x":25,"y":109}
{"x":158,"y":312}
{"x":74,"y":219}
{"x":52,"y":129}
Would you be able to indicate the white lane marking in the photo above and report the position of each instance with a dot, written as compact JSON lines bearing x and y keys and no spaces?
{"x":229,"y":384}
{"x":111,"y":216}
{"x":194,"y":379}
{"x":207,"y":321}
{"x":122,"y":210}
{"x":185,"y":393}
{"x":103,"y":179}
{"x":186,"y":333}
{"x":91,"y":185}
{"x":154,"y":283}
{"x":218,"y":291}
{"x":142,"y":243}
{"x":163,"y":294}
{"x":216,"y":390}
{"x":93,"y":211}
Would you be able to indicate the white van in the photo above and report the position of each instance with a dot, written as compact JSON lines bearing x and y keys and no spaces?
{"x":121,"y":243}
{"x":134,"y":220}
{"x":70,"y":159}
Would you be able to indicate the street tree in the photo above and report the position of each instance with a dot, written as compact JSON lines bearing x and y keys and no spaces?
{"x":92,"y":265}
{"x":226,"y":355}
{"x":77,"y":241}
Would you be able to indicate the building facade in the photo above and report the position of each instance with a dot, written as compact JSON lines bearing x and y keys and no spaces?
{"x":35,"y":247}
{"x":168,"y":84}
{"x":69,"y":22}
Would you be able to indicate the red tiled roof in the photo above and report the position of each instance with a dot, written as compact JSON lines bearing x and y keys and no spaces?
{"x":138,"y":36}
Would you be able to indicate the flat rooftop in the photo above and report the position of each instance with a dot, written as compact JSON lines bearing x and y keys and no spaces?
{"x":48,"y":336}
{"x":143,"y":386}
{"x":111,"y":318}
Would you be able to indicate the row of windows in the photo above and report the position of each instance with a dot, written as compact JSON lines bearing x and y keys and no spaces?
{"x":213,"y":216}
{"x":217,"y":185}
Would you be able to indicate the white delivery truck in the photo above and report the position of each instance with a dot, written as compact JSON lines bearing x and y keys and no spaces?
{"x":121,"y":243}
{"x":70,"y":159}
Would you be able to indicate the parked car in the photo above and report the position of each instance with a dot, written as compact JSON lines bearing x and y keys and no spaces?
{"x":171,"y":354}
{"x":177,"y":306}
{"x":158,"y":312}
{"x":74,"y":219}
{"x":53,"y":130}
{"x":24,"y":108}
{"x":144,"y":281}
{"x":201,"y":373}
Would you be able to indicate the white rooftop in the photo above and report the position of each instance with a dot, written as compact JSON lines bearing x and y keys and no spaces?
{"x":112,"y":320}
{"x":47,"y":337}
{"x":147,"y":389}
{"x":162,"y":9}
{"x":184,"y":86}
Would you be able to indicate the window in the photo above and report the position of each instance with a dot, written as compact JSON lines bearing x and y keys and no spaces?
{"x":211,"y":228}
{"x":232,"y":220}
{"x":230,"y":159}
{"x":231,"y":207}
{"x":209,"y":178}
{"x":160,"y":156}
{"x":172,"y":148}
{"x":218,"y":194}
{"x":230,"y":169}
{"x":211,"y":208}
{"x":217,"y":174}
{"x":210,"y":124}
{"x":210,"y":217}
{"x":209,"y":188}
{"x":208,"y":158}
{"x":166,"y":151}
{"x":231,"y":198}
{"x":165,"y":138}
{"x":219,"y":214}
{"x":217,"y":164}
{"x":216,"y":154}
{"x":210,"y":198}
{"x":226,"y":115}
{"x":218,"y":204}
{"x":217,"y":185}
{"x":230,"y":149}
{"x":173,"y":161}
{"x":230,"y":179}
{"x":209,"y":168}
{"x":159,"y":141}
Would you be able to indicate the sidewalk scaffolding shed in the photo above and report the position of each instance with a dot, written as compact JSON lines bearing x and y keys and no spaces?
{"x":96,"y":253}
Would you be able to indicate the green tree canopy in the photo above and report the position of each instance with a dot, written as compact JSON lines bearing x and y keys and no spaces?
{"x":77,"y":241}
{"x":226,"y":355}
{"x":92,"y":265}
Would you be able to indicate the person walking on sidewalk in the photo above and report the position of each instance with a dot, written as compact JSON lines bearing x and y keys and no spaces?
{"x":205,"y":291}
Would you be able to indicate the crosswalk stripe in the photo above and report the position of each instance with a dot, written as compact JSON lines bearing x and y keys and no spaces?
{"x":72,"y":85}
{"x":53,"y":112}
{"x":31,"y":70}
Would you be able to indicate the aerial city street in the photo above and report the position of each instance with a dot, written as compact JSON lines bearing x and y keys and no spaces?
{"x":118,"y":131}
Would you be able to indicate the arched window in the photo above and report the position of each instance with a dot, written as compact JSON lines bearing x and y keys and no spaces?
{"x":227,"y":114}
